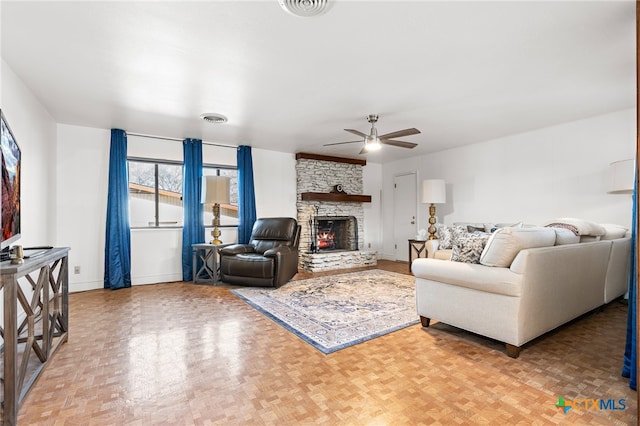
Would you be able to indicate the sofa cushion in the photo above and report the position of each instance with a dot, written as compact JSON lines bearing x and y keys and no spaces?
{"x":443,"y":254}
{"x":506,"y":243}
{"x":565,"y":236}
{"x":612,"y":232}
{"x":473,"y":276}
{"x":468,"y":248}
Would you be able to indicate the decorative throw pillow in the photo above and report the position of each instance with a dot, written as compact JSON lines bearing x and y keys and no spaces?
{"x":457,"y":232}
{"x":565,"y":236}
{"x":611,"y":231}
{"x":468,"y":248}
{"x":506,"y":243}
{"x":443,"y":233}
{"x":506,"y":225}
{"x":472,"y":229}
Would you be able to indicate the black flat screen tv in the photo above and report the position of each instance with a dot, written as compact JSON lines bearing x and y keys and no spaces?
{"x":11,"y":158}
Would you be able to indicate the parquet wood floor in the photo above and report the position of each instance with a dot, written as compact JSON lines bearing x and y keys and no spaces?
{"x":187,"y":354}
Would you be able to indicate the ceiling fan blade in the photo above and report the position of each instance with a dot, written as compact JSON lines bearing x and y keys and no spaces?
{"x":355,"y":132}
{"x":401,"y":144}
{"x":340,"y":143}
{"x":400,"y":133}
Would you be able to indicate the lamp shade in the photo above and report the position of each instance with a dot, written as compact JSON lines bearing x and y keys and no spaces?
{"x":434,"y":191}
{"x":621,"y":175}
{"x":215,"y":189}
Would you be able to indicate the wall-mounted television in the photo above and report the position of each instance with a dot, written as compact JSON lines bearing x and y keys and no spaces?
{"x":10,"y":196}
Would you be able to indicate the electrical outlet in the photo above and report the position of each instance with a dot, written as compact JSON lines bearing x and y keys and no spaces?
{"x":76,"y":269}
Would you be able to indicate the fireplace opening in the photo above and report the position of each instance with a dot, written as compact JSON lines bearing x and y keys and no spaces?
{"x":336,"y":233}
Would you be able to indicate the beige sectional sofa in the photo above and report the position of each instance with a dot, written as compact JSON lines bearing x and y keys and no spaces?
{"x":531,"y":280}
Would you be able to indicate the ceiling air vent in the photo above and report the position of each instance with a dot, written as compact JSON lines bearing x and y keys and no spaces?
{"x":305,"y":8}
{"x":212,"y":117}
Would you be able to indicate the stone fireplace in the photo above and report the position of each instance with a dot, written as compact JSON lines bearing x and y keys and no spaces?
{"x":330,"y":212}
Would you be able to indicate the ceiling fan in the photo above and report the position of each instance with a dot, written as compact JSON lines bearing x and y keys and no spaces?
{"x":373,"y":142}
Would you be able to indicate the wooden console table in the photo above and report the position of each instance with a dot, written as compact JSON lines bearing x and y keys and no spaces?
{"x":36,"y":321}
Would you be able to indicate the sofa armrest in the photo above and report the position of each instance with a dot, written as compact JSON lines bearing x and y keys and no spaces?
{"x":431,"y":246}
{"x":237,"y":249}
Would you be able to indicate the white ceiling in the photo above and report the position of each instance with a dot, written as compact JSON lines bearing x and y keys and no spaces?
{"x":461,"y":72}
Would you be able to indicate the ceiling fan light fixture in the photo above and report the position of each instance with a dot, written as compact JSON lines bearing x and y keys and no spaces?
{"x":214,"y":118}
{"x":372,"y":143}
{"x":305,"y":8}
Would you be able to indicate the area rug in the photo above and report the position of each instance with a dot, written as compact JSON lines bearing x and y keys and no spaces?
{"x":337,"y":311}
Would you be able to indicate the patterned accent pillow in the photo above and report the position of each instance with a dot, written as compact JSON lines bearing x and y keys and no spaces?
{"x":468,"y":249}
{"x":448,"y":235}
{"x":443,"y":233}
{"x":458,"y":232}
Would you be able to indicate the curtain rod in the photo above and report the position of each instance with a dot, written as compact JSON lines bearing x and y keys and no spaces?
{"x":178,"y":140}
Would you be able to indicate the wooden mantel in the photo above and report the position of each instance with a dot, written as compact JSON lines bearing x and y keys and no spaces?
{"x":308,"y":156}
{"x":339,"y":197}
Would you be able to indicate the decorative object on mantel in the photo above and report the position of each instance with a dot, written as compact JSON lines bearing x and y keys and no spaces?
{"x":621,"y":175}
{"x":338,"y":189}
{"x":334,"y":312}
{"x":215,"y":191}
{"x":433,"y":192}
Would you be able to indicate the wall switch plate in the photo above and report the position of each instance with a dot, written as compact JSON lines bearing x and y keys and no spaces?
{"x":76,"y":269}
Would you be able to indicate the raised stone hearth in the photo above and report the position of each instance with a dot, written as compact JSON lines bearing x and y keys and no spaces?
{"x":328,"y":261}
{"x":319,"y":175}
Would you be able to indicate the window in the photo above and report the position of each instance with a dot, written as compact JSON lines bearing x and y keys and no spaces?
{"x":155,"y":194}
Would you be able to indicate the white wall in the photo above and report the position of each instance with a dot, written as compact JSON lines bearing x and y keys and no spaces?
{"x":83,"y":172}
{"x":274,"y":176}
{"x":35,"y":132}
{"x":559,"y":171}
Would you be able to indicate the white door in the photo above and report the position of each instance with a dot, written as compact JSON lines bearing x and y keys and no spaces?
{"x":405,"y":220}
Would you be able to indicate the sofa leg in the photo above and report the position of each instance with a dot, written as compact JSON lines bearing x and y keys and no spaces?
{"x":425,"y":321}
{"x":512,"y":351}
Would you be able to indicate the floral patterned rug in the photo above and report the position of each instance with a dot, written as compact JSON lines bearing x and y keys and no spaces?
{"x":338,"y":311}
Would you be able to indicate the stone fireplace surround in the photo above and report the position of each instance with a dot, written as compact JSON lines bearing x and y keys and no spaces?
{"x":316,"y":177}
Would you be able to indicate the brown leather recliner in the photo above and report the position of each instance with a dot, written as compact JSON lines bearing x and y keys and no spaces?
{"x":269,"y":260}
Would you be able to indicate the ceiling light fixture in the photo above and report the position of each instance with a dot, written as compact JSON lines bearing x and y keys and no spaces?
{"x":213,"y":117}
{"x":305,"y":8}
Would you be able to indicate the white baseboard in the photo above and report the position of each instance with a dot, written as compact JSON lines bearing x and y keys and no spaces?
{"x":151,"y":279}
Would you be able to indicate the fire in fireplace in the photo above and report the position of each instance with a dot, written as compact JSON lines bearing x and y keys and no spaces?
{"x":336,"y":233}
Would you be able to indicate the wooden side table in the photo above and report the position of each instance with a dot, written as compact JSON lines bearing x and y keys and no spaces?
{"x":417,"y":248}
{"x":209,"y":272}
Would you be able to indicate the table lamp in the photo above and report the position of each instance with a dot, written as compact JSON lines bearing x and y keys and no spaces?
{"x":433,"y":192}
{"x":215,"y":191}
